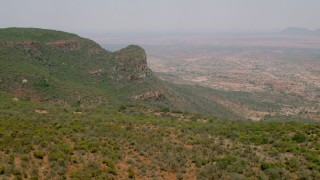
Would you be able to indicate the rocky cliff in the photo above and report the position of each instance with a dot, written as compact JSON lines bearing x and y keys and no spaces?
{"x":131,"y":64}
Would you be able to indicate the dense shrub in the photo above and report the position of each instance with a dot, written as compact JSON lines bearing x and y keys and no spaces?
{"x":299,"y":138}
{"x":265,"y":166}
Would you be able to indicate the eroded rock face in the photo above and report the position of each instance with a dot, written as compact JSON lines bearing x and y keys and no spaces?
{"x":65,"y":45}
{"x":131,"y":63}
{"x":23,"y":45}
{"x":75,"y":45}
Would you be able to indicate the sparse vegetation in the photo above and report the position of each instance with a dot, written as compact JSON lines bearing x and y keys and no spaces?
{"x":106,"y":143}
{"x":62,"y":117}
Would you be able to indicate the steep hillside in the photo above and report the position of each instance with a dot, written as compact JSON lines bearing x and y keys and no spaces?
{"x":62,"y":68}
{"x":45,"y":65}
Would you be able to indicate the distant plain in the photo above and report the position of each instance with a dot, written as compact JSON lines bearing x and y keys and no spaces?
{"x":283,"y":70}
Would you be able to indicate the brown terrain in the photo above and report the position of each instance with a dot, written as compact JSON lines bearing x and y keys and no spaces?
{"x":277,"y":67}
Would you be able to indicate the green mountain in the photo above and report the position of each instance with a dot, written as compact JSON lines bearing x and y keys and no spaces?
{"x":72,"y":110}
{"x":62,"y":68}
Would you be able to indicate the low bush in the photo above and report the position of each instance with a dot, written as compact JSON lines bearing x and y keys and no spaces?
{"x":299,"y":138}
{"x":38,"y":154}
{"x":265,"y":166}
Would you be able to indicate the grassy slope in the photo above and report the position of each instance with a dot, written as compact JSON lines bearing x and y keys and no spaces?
{"x":62,"y":76}
{"x":65,"y":72}
{"x":144,"y":143}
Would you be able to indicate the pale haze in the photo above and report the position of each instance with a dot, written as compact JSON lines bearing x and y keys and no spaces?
{"x":147,"y":16}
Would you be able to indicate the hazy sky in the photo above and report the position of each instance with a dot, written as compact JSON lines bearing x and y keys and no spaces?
{"x":161,"y":15}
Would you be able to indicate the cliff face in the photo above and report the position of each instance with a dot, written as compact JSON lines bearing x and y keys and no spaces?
{"x":131,"y":64}
{"x":54,"y":66}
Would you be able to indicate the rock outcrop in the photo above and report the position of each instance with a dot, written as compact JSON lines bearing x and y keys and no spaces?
{"x":22,"y":45}
{"x":131,"y":64}
{"x":65,"y":45}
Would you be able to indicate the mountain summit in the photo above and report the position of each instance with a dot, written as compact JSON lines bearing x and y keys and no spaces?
{"x":62,"y":68}
{"x":48,"y":65}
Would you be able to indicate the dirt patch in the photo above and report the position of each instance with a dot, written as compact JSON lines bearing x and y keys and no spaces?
{"x":40,"y":111}
{"x":17,"y":162}
{"x":191,"y":172}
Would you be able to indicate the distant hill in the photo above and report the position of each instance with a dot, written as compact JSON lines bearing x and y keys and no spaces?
{"x":299,"y":31}
{"x":62,"y":68}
